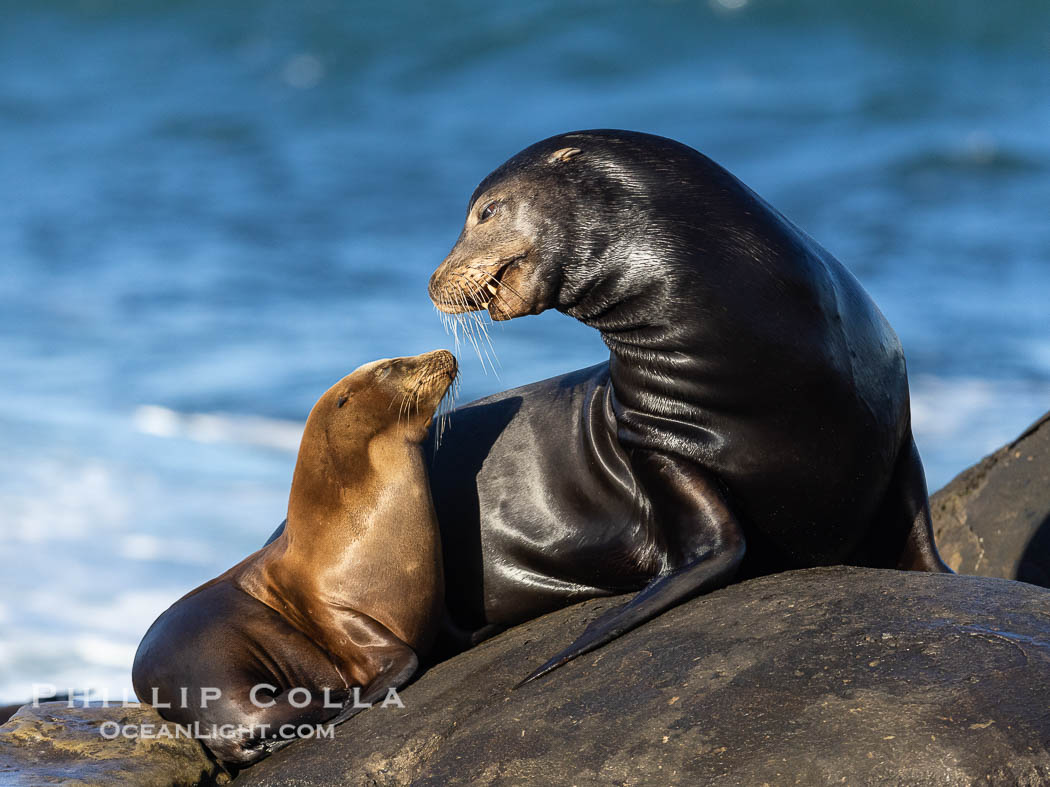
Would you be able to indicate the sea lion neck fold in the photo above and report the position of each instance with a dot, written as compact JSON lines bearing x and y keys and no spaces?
{"x":701,"y":308}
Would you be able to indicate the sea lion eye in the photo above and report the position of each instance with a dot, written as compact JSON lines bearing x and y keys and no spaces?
{"x":382,"y":372}
{"x":488,"y":211}
{"x":342,"y":400}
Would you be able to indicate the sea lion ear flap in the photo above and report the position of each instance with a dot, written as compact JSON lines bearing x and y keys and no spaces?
{"x":562,"y":155}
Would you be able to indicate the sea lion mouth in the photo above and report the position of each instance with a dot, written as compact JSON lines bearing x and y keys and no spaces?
{"x":476,"y":288}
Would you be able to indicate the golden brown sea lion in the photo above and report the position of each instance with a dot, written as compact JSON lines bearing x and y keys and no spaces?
{"x":332,"y":614}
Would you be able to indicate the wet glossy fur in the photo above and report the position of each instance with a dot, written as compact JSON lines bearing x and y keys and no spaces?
{"x":753,"y":415}
{"x":345,"y":597}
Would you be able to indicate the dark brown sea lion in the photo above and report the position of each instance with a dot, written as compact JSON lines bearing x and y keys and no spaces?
{"x":753,"y":415}
{"x":345,"y":598}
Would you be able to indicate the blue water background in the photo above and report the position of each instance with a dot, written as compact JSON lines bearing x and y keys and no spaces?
{"x":210,"y":211}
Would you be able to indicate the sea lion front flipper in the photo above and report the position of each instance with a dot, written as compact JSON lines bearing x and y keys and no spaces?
{"x":703,"y":530}
{"x":381,"y":661}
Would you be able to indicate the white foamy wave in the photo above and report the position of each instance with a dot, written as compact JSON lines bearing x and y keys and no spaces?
{"x":940,"y":408}
{"x":61,"y":501}
{"x":957,"y":421}
{"x":126,"y":615}
{"x":219,"y":427}
{"x":76,"y":680}
{"x":85,"y":646}
{"x":145,"y":546}
{"x":101,"y":652}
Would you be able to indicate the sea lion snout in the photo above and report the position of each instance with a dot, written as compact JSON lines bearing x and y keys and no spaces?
{"x":423,"y":381}
{"x":438,"y":360}
{"x":429,"y":365}
{"x":441,"y":361}
{"x":468,"y":279}
{"x":494,"y":264}
{"x":475,"y":277}
{"x":436,"y":285}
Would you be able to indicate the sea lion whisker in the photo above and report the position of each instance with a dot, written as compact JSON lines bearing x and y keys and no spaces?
{"x":453,"y":323}
{"x":405,"y":407}
{"x":463,"y":292}
{"x":489,"y":350}
{"x":416,"y":396}
{"x":424,"y":383}
{"x":449,"y":321}
{"x":442,"y":418}
{"x":468,"y":331}
{"x":474,"y":324}
{"x":478,"y":293}
{"x":484,"y":330}
{"x":445,"y":408}
{"x":473,"y":294}
{"x":471,"y":289}
{"x":444,"y":319}
{"x":400,"y":408}
{"x":468,"y":295}
{"x":501,"y":285}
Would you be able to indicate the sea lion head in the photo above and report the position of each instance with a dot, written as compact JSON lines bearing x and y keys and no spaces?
{"x":393,"y":397}
{"x":544,"y":227}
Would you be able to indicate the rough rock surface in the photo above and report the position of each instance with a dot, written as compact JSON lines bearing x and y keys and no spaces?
{"x":993,"y":519}
{"x":56,"y":744}
{"x":823,"y":676}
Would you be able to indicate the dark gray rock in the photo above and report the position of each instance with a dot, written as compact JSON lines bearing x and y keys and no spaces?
{"x":56,"y":744}
{"x":993,"y":519}
{"x":823,"y":676}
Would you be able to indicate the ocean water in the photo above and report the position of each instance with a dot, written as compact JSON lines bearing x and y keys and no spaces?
{"x":212,"y":211}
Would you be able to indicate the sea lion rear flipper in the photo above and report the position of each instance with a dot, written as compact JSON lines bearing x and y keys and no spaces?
{"x":908,"y":501}
{"x":900,"y":535}
{"x":710,"y":539}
